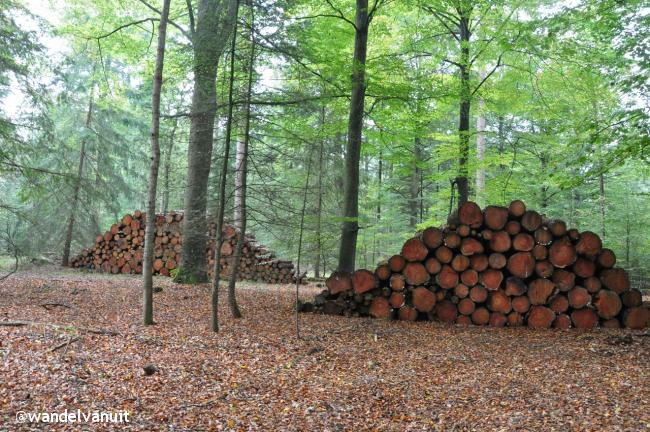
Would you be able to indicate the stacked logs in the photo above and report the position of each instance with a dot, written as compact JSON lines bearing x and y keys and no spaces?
{"x":499,"y":266}
{"x":121,"y":249}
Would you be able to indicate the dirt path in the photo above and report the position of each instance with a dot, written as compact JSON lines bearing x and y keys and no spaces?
{"x":350,"y":374}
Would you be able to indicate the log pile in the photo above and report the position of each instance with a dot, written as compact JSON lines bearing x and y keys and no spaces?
{"x":121,"y":248}
{"x":498,"y":266}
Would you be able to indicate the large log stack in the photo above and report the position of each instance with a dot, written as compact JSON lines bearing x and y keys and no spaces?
{"x":498,"y":266}
{"x":120,"y":250}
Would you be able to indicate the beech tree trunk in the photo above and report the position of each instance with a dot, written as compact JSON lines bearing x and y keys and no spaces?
{"x":465,"y":103}
{"x":350,"y":228}
{"x":147,"y":273}
{"x":480,"y":150}
{"x":167,"y":169}
{"x":240,"y":181}
{"x":221,"y":205}
{"x":215,"y":21}
{"x":77,"y":187}
{"x":319,"y":201}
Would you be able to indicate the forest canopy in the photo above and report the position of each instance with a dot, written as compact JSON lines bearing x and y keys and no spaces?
{"x":545,"y":101}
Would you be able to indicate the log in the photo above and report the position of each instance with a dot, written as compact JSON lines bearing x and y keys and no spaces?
{"x":559,"y":303}
{"x":632,"y":298}
{"x":452,"y":240}
{"x":478,"y":262}
{"x":564,"y":280}
{"x":611,"y":323}
{"x":447,"y":278}
{"x":543,"y":236}
{"x":469,"y":213}
{"x":444,"y":254}
{"x":589,"y":244}
{"x":498,"y":319}
{"x":433,"y":266}
{"x":466,"y":306}
{"x":383,"y":272}
{"x":544,"y":269}
{"x":432,"y":237}
{"x":469,"y":277}
{"x":495,"y":217}
{"x":491,"y":279}
{"x":463,"y":320}
{"x":606,"y":258}
{"x":423,"y":299}
{"x":513,"y":228}
{"x":540,"y":317}
{"x":517,"y":208}
{"x":446,"y":311}
{"x":592,"y":284}
{"x":515,"y":319}
{"x":520,"y":304}
{"x":407,"y":313}
{"x":557,"y":227}
{"x":615,"y":279}
{"x":608,"y":304}
{"x":562,"y":253}
{"x":397,"y":299}
{"x":531,"y":220}
{"x":380,"y":308}
{"x":515,"y":286}
{"x":364,"y":281}
{"x":584,"y":268}
{"x":416,"y":274}
{"x":584,"y":318}
{"x":461,"y":290}
{"x":497,"y":260}
{"x":540,"y":291}
{"x":636,"y":317}
{"x":460,"y":263}
{"x":470,"y":246}
{"x":478,"y":294}
{"x":414,"y":250}
{"x":481,"y":316}
{"x":579,"y":297}
{"x":338,"y":282}
{"x":498,"y":301}
{"x":464,"y":230}
{"x":562,"y":321}
{"x":396,"y":263}
{"x":521,"y":264}
{"x":523,"y":242}
{"x":500,"y":241}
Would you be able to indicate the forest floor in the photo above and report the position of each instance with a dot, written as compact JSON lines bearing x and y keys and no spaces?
{"x":347,"y":374}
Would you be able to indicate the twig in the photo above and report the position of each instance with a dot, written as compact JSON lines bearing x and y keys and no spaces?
{"x":49,"y":305}
{"x":20,"y":323}
{"x":65,"y":344}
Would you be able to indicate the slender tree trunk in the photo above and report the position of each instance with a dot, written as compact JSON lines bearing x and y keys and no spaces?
{"x":465,"y":103}
{"x":167,"y":169}
{"x":544,"y":189}
{"x":215,"y":21}
{"x":242,"y":174}
{"x":319,"y":201}
{"x":480,"y":151}
{"x":602,"y":204}
{"x":414,"y":184}
{"x":147,"y":264}
{"x":77,"y":187}
{"x":350,"y":228}
{"x":221,"y":204}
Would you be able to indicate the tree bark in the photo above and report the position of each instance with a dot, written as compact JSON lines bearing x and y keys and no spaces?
{"x":480,"y":150}
{"x":602,"y":204}
{"x":350,"y":228}
{"x":319,"y":201}
{"x":147,"y":261}
{"x":221,"y":205}
{"x":240,"y":181}
{"x":414,"y":185}
{"x":77,"y":187}
{"x":465,"y":105}
{"x":215,"y":21}
{"x":167,"y":169}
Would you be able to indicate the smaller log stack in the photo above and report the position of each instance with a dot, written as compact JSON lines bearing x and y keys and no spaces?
{"x":498,"y":266}
{"x":120,"y":250}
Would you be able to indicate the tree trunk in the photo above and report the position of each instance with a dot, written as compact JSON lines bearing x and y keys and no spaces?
{"x":214,"y":25}
{"x":465,"y":103}
{"x":77,"y":187}
{"x":147,"y":274}
{"x":319,"y":202}
{"x":167,"y":170}
{"x":240,"y":181}
{"x":414,"y":185}
{"x":350,"y":228}
{"x":221,"y":205}
{"x":602,"y":205}
{"x":480,"y":151}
